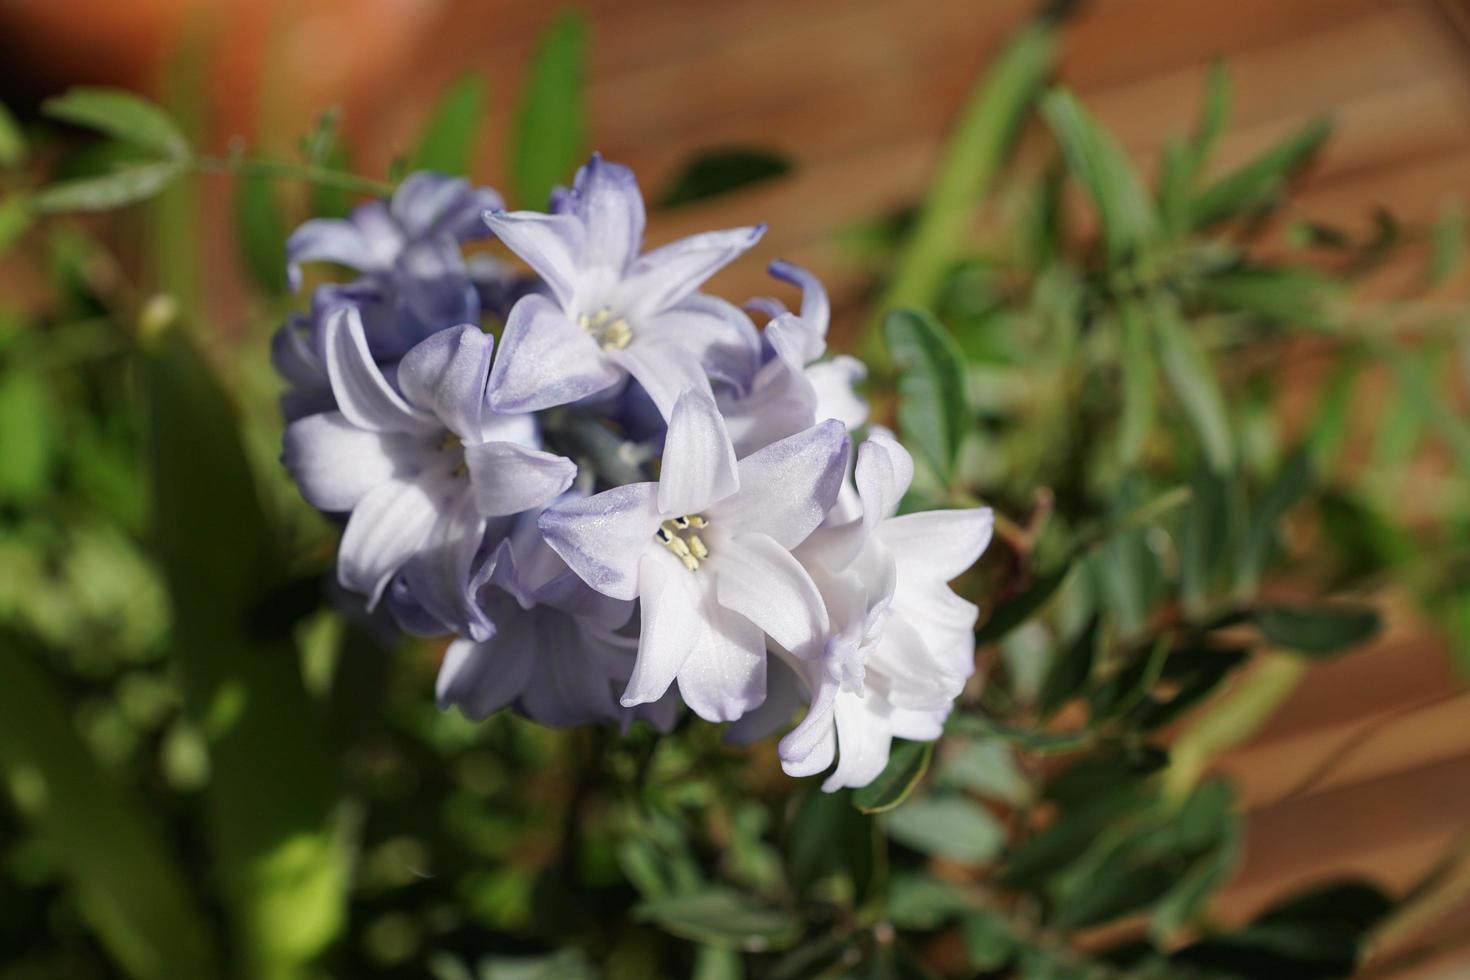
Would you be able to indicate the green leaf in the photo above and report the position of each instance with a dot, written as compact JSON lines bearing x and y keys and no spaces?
{"x":129,"y":887}
{"x":933,"y":410}
{"x":15,"y":220}
{"x":1139,"y":384}
{"x":282,"y":868}
{"x":987,"y":767}
{"x":907,"y":763}
{"x":117,"y":189}
{"x":1204,"y":537}
{"x":1213,"y":118}
{"x":989,"y":941}
{"x":260,"y":233}
{"x":1447,"y":244}
{"x":447,"y":144}
{"x":1291,"y":484}
{"x":949,"y":826}
{"x":1070,"y":673}
{"x":1011,"y":614}
{"x":1106,"y":174}
{"x":919,"y":901}
{"x":1194,"y":384}
{"x":725,"y":918}
{"x":988,"y":127}
{"x":12,"y":141}
{"x":716,"y":172}
{"x":1258,"y":182}
{"x":1314,"y":936}
{"x":121,"y":115}
{"x":550,"y":130}
{"x":1317,"y":630}
{"x":30,"y":433}
{"x":1276,"y":294}
{"x":828,"y":837}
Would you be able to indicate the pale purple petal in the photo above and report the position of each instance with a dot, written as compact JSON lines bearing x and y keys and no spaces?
{"x":446,"y":375}
{"x":815,"y":309}
{"x":663,"y":277}
{"x":387,"y":526}
{"x":438,"y":574}
{"x":508,"y":478}
{"x":427,"y":204}
{"x":603,"y":537}
{"x":335,"y":463}
{"x":607,"y":199}
{"x":335,"y":240}
{"x":787,"y":488}
{"x":715,"y":333}
{"x":785,"y":694}
{"x":482,"y":678}
{"x":546,"y":360}
{"x":757,"y":578}
{"x":551,"y":244}
{"x":698,"y":461}
{"x":362,"y":393}
{"x":884,"y":471}
{"x":664,"y":371}
{"x":794,"y":341}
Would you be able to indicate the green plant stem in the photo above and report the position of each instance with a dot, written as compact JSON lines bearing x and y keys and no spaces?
{"x":1231,"y":720}
{"x":281,"y":170}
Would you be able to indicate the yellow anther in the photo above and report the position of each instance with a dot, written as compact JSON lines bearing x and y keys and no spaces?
{"x":676,"y":534}
{"x":695,"y":521}
{"x":697,"y":547}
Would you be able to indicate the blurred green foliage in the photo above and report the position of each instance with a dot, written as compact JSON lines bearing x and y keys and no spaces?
{"x":210,"y":770}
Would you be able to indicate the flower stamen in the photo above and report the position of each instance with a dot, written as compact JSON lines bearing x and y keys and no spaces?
{"x":607,"y":328}
{"x":678,"y":535}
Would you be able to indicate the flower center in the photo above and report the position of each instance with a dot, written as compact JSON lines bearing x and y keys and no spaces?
{"x":607,"y":328}
{"x":450,"y":443}
{"x":680,"y":535}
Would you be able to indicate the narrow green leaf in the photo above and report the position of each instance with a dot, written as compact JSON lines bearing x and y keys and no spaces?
{"x":1194,"y":384}
{"x":1068,"y":677}
{"x":15,"y":220}
{"x":550,"y":131}
{"x":1214,"y":117}
{"x":933,"y":411}
{"x":130,"y":889}
{"x":1013,"y":613}
{"x":716,"y":172}
{"x":282,"y":867}
{"x":725,"y":918}
{"x":1258,"y":182}
{"x":12,"y":140}
{"x":1032,"y":739}
{"x":1176,"y":183}
{"x":907,"y":763}
{"x":949,"y":826}
{"x":1286,"y":295}
{"x":982,"y":139}
{"x":1317,"y":630}
{"x":828,"y":837}
{"x":1204,"y":538}
{"x":31,"y":434}
{"x":1139,"y":384}
{"x":260,"y":233}
{"x":1448,"y":244}
{"x":987,"y":767}
{"x":117,"y":189}
{"x":447,"y":144}
{"x":1291,"y":484}
{"x":1106,"y":174}
{"x":919,"y":901}
{"x":122,"y":115}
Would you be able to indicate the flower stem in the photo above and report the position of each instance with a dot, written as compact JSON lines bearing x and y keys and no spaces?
{"x":282,"y":170}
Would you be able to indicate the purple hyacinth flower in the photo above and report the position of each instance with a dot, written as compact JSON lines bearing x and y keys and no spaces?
{"x":415,"y":280}
{"x":610,"y":312}
{"x":419,"y":466}
{"x":707,"y":551}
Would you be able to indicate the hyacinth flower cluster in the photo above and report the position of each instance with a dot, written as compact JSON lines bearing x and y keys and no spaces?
{"x":634,"y":501}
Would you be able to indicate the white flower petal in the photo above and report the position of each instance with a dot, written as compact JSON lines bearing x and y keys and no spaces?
{"x":385,"y":529}
{"x":884,"y":471}
{"x":508,"y":478}
{"x":446,"y":374}
{"x":546,"y":360}
{"x":664,"y":276}
{"x":757,"y":578}
{"x":362,"y":393}
{"x":938,"y":545}
{"x":788,"y":487}
{"x":336,"y":464}
{"x":698,"y":460}
{"x":664,"y":371}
